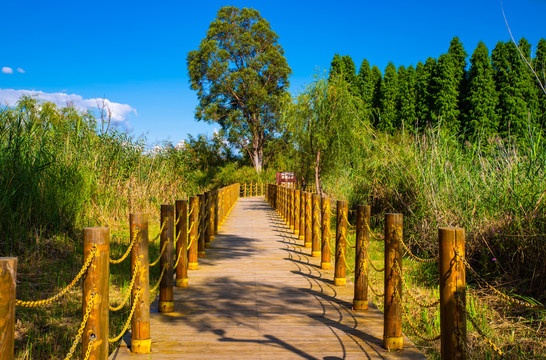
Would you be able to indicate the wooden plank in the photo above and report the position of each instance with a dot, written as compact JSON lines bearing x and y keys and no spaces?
{"x":258,"y":294}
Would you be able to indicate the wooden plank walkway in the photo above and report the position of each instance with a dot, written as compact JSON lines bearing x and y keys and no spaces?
{"x":258,"y":294}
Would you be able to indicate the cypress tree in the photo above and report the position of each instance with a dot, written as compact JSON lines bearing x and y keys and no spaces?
{"x":481,"y":98}
{"x":406,"y":98}
{"x":344,"y":66}
{"x":388,"y":97}
{"x":513,"y":86}
{"x":423,"y":90}
{"x":448,"y":83}
{"x":377,"y":80}
{"x":366,"y":83}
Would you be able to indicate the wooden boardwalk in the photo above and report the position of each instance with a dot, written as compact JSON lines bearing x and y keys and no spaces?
{"x":258,"y":294}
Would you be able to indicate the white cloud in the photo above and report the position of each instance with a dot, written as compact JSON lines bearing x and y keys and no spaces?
{"x":19,"y":70}
{"x":7,"y":70}
{"x":119,"y":112}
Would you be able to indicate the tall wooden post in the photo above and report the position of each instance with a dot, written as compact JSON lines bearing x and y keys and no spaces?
{"x":194,"y":229}
{"x":340,"y":278}
{"x":302,"y":215}
{"x":308,"y":221}
{"x":262,"y":192}
{"x":182,"y":242}
{"x":201,"y":240}
{"x":316,"y":222}
{"x":297,"y":201}
{"x":166,"y":302}
{"x":208,"y":201}
{"x":290,"y":211}
{"x":96,"y":289}
{"x":244,"y":193}
{"x":360,"y":301}
{"x":452,"y":293}
{"x":8,"y":277}
{"x":141,"y":343}
{"x":392,"y":337}
{"x":325,"y":262}
{"x":212,"y":215}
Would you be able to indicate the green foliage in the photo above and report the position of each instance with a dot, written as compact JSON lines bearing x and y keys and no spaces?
{"x":424,"y":92}
{"x":481,"y":119}
{"x":515,"y":88}
{"x":406,"y":98}
{"x":321,"y":122}
{"x":241,"y":78}
{"x":539,"y":65}
{"x":388,"y":118}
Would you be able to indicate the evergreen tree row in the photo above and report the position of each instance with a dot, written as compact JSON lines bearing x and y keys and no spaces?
{"x":496,"y":95}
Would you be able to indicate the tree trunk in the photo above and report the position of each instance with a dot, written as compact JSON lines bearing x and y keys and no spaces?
{"x":317,"y":175}
{"x":258,"y":153}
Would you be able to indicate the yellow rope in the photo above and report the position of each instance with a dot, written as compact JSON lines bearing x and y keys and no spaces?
{"x":372,"y":265}
{"x":414,"y":257}
{"x":126,"y":326}
{"x":82,"y":327}
{"x":179,"y":256}
{"x":119,"y":307}
{"x":497,"y":292}
{"x":377,"y":237}
{"x":160,"y":231}
{"x":159,"y":281}
{"x":89,"y":348}
{"x":160,"y":254}
{"x":133,"y":241}
{"x":375,"y":292}
{"x":415,"y":300}
{"x":477,"y":328}
{"x":48,"y":301}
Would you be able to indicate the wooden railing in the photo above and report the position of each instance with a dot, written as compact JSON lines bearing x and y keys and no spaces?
{"x":309,"y":218}
{"x":184,"y":236}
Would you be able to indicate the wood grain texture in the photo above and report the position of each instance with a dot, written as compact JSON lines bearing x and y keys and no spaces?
{"x":260,"y":295}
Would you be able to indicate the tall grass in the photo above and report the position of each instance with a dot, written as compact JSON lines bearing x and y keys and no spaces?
{"x":497,"y":193}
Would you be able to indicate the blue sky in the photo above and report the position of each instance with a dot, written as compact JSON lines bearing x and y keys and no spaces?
{"x":133,"y":52}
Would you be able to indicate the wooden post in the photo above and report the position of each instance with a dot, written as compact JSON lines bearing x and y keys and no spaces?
{"x":290,"y":208}
{"x":325,"y":263}
{"x":297,"y":201}
{"x":452,"y":293}
{"x":308,"y":221}
{"x":141,"y":342}
{"x":341,"y":243}
{"x":262,"y":192}
{"x":182,"y":242}
{"x":166,"y":302}
{"x":208,"y":201}
{"x":360,"y":301}
{"x":8,"y":277}
{"x":392,"y":337}
{"x":212,"y":215}
{"x":194,"y":226}
{"x":302,"y":215}
{"x":96,"y":286}
{"x":201,"y":240}
{"x":315,"y":250}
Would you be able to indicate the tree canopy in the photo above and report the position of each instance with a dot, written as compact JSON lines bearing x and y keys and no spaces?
{"x":241,"y":77}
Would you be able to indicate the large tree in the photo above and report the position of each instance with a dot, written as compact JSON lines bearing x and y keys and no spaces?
{"x":481,"y":98}
{"x":388,"y":118}
{"x":241,"y":78}
{"x":321,"y":121}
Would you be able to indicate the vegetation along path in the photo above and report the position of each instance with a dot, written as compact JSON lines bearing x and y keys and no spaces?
{"x":258,"y":294}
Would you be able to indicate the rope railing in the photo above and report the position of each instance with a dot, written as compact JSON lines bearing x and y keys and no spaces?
{"x":129,"y":248}
{"x":128,"y":293}
{"x":217,"y":206}
{"x":37,"y":303}
{"x":450,"y":261}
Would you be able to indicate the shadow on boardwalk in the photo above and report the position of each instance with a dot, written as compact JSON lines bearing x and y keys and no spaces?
{"x":259,"y":295}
